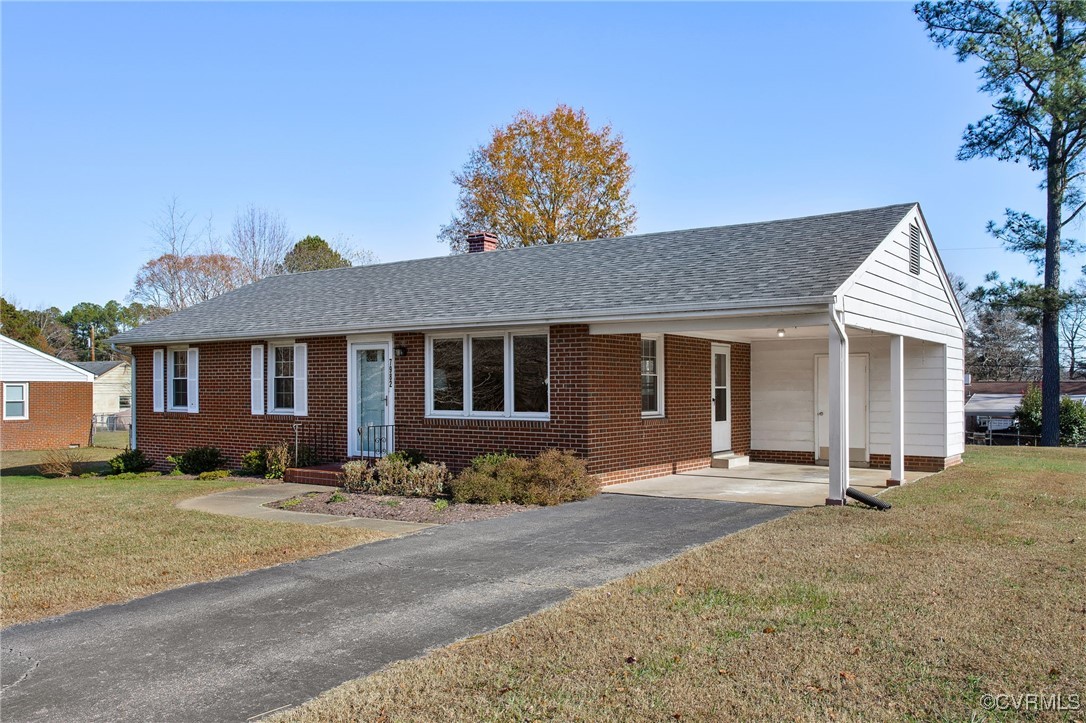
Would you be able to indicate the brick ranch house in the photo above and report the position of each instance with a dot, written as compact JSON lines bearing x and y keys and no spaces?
{"x":46,"y":401}
{"x":832,"y":338}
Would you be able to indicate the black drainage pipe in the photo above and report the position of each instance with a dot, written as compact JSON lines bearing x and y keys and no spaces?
{"x":869,"y":500}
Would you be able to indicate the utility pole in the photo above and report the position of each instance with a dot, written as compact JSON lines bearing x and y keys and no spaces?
{"x":92,"y":341}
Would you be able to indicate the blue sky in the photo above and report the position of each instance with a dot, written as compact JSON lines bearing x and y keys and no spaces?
{"x":349,"y":119}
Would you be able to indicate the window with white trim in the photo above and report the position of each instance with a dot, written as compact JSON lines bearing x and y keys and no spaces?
{"x":488,"y":374}
{"x":16,"y":401}
{"x":282,"y":378}
{"x":288,"y":379}
{"x":652,"y":376}
{"x":179,"y":380}
{"x":124,"y":401}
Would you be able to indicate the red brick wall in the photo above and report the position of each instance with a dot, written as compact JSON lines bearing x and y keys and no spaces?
{"x":60,"y":416}
{"x":740,"y":360}
{"x":917,"y":463}
{"x":779,"y":456}
{"x":623,"y":445}
{"x":595,"y":401}
{"x":225,"y":420}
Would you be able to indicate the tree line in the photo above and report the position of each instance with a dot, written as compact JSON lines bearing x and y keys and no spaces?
{"x":195,"y":264}
{"x":192,"y":265}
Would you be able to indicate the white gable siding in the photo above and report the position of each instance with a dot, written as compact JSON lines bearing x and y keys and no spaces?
{"x":782,"y":397}
{"x":110,"y":387}
{"x":884,"y":295}
{"x":18,"y":364}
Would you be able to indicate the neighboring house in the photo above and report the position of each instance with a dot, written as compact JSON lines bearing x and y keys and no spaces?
{"x":46,"y":401}
{"x":112,"y":392}
{"x":989,"y":406}
{"x":829,"y":338}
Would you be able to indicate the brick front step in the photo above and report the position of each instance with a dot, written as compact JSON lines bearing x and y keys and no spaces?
{"x":325,"y":474}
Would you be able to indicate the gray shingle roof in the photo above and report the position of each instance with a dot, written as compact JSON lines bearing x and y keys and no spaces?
{"x":97,"y":368}
{"x":745,"y":265}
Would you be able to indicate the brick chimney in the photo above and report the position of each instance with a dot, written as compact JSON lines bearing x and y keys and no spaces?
{"x":480,"y":242}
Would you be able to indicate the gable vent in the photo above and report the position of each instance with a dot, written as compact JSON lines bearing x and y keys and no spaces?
{"x":914,"y":249}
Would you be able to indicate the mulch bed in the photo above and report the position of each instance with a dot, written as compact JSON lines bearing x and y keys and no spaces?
{"x":389,"y":507}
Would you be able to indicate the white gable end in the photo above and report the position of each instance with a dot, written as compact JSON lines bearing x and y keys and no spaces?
{"x":885,"y":295}
{"x":20,"y":363}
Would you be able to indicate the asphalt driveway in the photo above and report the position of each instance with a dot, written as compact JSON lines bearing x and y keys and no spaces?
{"x":233,"y":649}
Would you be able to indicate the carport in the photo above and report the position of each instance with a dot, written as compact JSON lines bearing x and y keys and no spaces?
{"x":791,"y":485}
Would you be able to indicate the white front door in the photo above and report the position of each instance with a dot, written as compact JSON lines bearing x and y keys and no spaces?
{"x":722,"y":398}
{"x":370,"y":406}
{"x":857,"y":406}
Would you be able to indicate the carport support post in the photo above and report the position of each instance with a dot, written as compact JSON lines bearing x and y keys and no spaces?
{"x":897,"y":411}
{"x":838,"y":398}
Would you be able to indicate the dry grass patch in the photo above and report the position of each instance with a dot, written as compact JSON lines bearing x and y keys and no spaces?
{"x":973,"y":583}
{"x":73,"y":543}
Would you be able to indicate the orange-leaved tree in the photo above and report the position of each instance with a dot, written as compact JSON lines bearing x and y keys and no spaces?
{"x":544,"y":180}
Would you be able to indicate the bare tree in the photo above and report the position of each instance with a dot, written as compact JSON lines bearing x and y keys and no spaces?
{"x":56,"y":334}
{"x":1001,"y":347}
{"x":260,"y":239}
{"x":170,"y":283}
{"x":1073,"y":332}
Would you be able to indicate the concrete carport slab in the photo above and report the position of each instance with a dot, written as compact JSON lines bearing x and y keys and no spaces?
{"x":791,"y":485}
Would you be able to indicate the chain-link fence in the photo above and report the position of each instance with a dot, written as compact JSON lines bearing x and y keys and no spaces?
{"x":111,"y":430}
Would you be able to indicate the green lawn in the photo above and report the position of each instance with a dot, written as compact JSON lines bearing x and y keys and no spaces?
{"x":974,"y":583}
{"x":77,"y":543}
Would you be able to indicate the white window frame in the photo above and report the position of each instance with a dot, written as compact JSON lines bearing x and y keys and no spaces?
{"x":507,"y":335}
{"x":272,"y":346}
{"x":659,"y":339}
{"x":120,"y":404}
{"x":26,"y":401}
{"x":170,"y":351}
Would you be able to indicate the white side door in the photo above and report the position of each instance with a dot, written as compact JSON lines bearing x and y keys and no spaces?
{"x":722,"y":398}
{"x":857,"y":406}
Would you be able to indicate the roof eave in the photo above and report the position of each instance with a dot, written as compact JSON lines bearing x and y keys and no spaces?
{"x":746,"y":307}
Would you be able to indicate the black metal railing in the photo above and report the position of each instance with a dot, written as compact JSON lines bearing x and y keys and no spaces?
{"x":315,"y":442}
{"x":376,"y":440}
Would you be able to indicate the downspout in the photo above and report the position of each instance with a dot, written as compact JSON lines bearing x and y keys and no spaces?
{"x":131,"y":392}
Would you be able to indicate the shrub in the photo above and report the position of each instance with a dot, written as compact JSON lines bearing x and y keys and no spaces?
{"x":255,"y":462}
{"x":277,"y":461}
{"x":61,"y":462}
{"x":397,"y":476}
{"x":490,"y":479}
{"x":1072,"y":418}
{"x":214,"y":474}
{"x":175,"y":460}
{"x":427,"y":480}
{"x":412,"y":457}
{"x":555,"y":477}
{"x":282,"y":457}
{"x":471,"y":485}
{"x":200,"y":459}
{"x":130,"y":460}
{"x":393,"y":473}
{"x":358,"y":476}
{"x":1072,"y":422}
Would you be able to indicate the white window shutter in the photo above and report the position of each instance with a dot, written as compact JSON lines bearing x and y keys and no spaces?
{"x":158,"y":376}
{"x":256,"y":379}
{"x":301,"y":381}
{"x":194,"y":381}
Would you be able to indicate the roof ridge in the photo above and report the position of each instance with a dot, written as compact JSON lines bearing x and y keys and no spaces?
{"x":692,"y":229}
